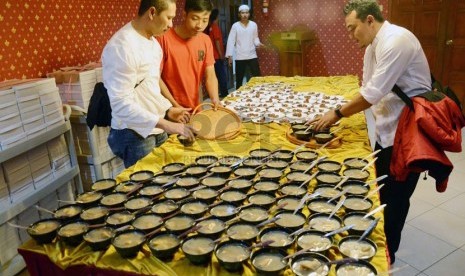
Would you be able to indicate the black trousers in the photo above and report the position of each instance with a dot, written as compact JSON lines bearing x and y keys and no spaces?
{"x":396,"y":195}
{"x":241,"y":66}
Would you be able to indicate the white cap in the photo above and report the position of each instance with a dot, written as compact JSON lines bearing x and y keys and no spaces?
{"x":244,"y":8}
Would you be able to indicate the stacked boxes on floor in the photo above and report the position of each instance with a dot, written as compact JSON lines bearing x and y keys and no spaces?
{"x":76,"y":87}
{"x":28,"y":109}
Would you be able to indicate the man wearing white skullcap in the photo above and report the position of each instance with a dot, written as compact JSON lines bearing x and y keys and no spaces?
{"x":243,"y":38}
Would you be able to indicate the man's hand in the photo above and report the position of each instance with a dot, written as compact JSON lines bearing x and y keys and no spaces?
{"x":178,"y":128}
{"x":178,"y":114}
{"x":216,"y":103}
{"x":325,"y":121}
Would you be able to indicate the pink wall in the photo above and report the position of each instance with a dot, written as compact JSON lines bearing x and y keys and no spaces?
{"x":332,"y":54}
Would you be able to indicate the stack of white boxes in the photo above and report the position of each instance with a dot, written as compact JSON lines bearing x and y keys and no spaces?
{"x":9,"y":242}
{"x":18,"y":176}
{"x":41,"y":169}
{"x":28,"y":110}
{"x":77,"y":87}
{"x":4,"y":193}
{"x":59,"y":156}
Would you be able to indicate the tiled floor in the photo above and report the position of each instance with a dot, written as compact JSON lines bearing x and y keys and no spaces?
{"x":433,"y":239}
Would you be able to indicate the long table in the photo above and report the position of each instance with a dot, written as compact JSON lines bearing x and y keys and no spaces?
{"x":59,"y":259}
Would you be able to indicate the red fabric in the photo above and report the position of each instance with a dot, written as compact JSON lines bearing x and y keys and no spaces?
{"x":422,"y":137}
{"x":216,"y":35}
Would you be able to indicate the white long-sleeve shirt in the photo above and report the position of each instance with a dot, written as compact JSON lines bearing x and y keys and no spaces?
{"x":127,"y":59}
{"x":394,"y":57}
{"x":243,"y":39}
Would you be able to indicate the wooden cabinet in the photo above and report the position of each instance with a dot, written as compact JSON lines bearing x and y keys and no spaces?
{"x":291,"y":46}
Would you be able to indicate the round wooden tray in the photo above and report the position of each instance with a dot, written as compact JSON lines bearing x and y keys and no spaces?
{"x":335,"y":143}
{"x":220,"y":124}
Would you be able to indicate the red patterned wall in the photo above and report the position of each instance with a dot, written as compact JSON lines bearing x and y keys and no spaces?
{"x":39,"y":36}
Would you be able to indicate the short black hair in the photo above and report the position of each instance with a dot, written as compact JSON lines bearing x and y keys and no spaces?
{"x":214,"y":15}
{"x":198,"y":6}
{"x":160,"y":5}
{"x":363,"y":8}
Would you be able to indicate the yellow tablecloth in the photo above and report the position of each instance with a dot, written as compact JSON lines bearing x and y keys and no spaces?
{"x":270,"y":136}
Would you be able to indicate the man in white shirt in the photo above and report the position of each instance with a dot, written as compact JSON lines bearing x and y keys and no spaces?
{"x":243,"y":38}
{"x":393,"y":55}
{"x":131,"y":73}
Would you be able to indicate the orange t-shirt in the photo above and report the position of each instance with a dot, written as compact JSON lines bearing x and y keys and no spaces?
{"x":215,"y":34}
{"x":183,"y":65}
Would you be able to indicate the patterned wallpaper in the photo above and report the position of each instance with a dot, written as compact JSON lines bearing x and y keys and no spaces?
{"x":39,"y":36}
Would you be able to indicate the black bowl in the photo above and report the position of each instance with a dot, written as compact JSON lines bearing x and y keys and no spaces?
{"x":206,"y":160}
{"x":119,"y":219}
{"x":206,"y":195}
{"x":212,"y":227}
{"x":89,"y":199}
{"x":355,"y":187}
{"x":243,"y":232}
{"x":198,"y":249}
{"x":221,"y":171}
{"x":187,"y":182}
{"x":253,"y":214}
{"x":289,"y":203}
{"x":259,"y":153}
{"x":147,"y":222}
{"x":360,"y":223}
{"x":179,"y":223}
{"x":292,"y":190}
{"x":355,"y":163}
{"x":363,"y":266}
{"x":136,"y":203}
{"x":113,"y":200}
{"x":99,"y":238}
{"x":328,"y":178}
{"x":177,"y":194}
{"x":298,"y":127}
{"x":68,"y":212}
{"x":300,"y":166}
{"x":224,"y":211}
{"x":194,"y":208}
{"x":141,"y":176}
{"x":264,"y":200}
{"x":127,"y":187}
{"x":299,"y":264}
{"x":232,"y":254}
{"x":289,"y":220}
{"x":270,"y":175}
{"x":185,"y":140}
{"x":266,"y":186}
{"x":128,"y":242}
{"x":196,"y":171}
{"x":72,"y":233}
{"x":233,"y":197}
{"x":321,"y":222}
{"x":94,"y":215}
{"x":44,"y":230}
{"x":229,"y":160}
{"x":269,"y":261}
{"x":307,"y":155}
{"x":173,"y":168}
{"x":285,"y":155}
{"x":321,"y":206}
{"x":315,"y":241}
{"x":322,"y":138}
{"x":104,"y":185}
{"x":214,"y":182}
{"x":252,"y":162}
{"x":303,"y":135}
{"x":357,"y":204}
{"x":245,"y":172}
{"x":163,"y":178}
{"x":356,"y":174}
{"x":277,"y":164}
{"x":280,"y":236}
{"x":240,"y":184}
{"x":361,"y":250}
{"x":327,"y":191}
{"x":297,"y":178}
{"x":151,"y":191}
{"x":163,"y":245}
{"x":329,"y":166}
{"x":165,"y":208}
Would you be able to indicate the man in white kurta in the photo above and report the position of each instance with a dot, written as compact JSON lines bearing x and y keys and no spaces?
{"x":243,"y":39}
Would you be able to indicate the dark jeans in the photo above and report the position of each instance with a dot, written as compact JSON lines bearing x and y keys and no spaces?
{"x":130,"y":146}
{"x":396,"y":195}
{"x":221,"y":75}
{"x":241,"y":66}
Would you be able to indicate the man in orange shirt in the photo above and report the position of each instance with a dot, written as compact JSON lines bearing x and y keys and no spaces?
{"x":214,"y":31}
{"x":188,"y":57}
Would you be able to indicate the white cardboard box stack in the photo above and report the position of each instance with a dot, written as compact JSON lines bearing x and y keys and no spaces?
{"x":30,"y":109}
{"x":98,"y":74}
{"x":77,"y":89}
{"x":59,"y":156}
{"x":39,"y":161}
{"x":11,"y":127}
{"x":9,"y":242}
{"x":18,"y":176}
{"x":67,"y":191}
{"x":4,"y":193}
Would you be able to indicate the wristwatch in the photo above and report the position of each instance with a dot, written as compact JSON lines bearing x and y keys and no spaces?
{"x":338,"y":113}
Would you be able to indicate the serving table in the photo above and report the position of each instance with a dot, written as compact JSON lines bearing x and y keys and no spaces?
{"x":59,"y":259}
